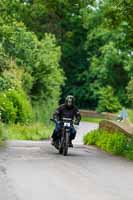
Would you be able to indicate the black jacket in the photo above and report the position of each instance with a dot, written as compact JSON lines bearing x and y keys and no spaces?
{"x":64,"y":111}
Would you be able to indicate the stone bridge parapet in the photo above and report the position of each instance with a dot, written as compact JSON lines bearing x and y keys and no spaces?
{"x":112,"y":126}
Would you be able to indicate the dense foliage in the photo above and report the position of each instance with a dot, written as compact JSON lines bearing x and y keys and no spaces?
{"x":96,"y":41}
{"x":107,"y":100}
{"x":42,"y":41}
{"x":30,"y":72}
{"x":115,"y":143}
{"x":130,"y":92}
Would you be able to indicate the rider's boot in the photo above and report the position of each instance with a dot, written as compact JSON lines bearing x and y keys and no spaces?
{"x":70,"y":143}
{"x":52,"y":141}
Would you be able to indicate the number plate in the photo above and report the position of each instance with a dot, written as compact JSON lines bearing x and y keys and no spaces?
{"x":67,"y":124}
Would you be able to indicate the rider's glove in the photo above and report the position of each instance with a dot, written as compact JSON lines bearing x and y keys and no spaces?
{"x":76,"y":122}
{"x":57,"y":121}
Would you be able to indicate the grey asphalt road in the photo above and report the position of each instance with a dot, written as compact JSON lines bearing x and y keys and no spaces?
{"x":35,"y":171}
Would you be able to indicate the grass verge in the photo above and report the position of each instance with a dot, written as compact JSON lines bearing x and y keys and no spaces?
{"x":115,"y":143}
{"x":91,"y":119}
{"x":36,"y":131}
{"x":130,"y":114}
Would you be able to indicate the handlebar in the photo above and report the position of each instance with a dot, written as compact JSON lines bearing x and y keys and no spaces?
{"x":64,"y":119}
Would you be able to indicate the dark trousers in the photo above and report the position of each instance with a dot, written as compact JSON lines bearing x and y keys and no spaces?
{"x":57,"y":130}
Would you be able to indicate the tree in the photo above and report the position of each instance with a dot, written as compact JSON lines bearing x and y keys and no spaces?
{"x":39,"y":58}
{"x":108,"y":49}
{"x":130,"y":92}
{"x":107,"y":100}
{"x":91,"y":41}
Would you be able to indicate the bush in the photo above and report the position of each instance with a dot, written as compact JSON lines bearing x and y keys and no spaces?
{"x":15,"y":107}
{"x":91,"y":138}
{"x":4,"y":83}
{"x":11,"y":78}
{"x":29,"y":66}
{"x":130,"y":92}
{"x":22,"y":106}
{"x":7,"y":110}
{"x":116,"y":143}
{"x":27,"y":82}
{"x":102,"y":140}
{"x":39,"y":59}
{"x":129,"y":149}
{"x":107,"y":101}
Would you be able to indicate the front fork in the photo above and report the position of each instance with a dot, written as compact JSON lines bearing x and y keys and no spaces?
{"x":67,"y":136}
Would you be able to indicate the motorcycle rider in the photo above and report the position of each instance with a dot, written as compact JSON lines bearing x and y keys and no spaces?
{"x":66,"y":110}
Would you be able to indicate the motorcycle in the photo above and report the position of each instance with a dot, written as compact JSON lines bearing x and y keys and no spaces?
{"x":62,"y":143}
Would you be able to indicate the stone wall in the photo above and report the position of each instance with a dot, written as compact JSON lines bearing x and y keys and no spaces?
{"x":112,"y":126}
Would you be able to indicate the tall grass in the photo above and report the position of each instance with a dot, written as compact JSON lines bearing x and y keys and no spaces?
{"x":41,"y":128}
{"x":36,"y":131}
{"x":43,"y":112}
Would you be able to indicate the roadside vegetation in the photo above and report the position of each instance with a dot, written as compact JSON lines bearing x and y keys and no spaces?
{"x":114,"y":143}
{"x":130,"y":114}
{"x":49,"y":49}
{"x":30,"y":78}
{"x":2,"y":134}
{"x":36,"y":131}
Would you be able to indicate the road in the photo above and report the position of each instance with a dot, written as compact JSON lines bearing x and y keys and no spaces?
{"x":35,"y":171}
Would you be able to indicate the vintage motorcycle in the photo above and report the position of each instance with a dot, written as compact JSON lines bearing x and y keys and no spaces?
{"x":62,"y":143}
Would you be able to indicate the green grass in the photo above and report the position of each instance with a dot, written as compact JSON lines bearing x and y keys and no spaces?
{"x":36,"y":131}
{"x":97,"y":120}
{"x":130,"y":115}
{"x":91,"y":119}
{"x":39,"y":129}
{"x":115,"y":143}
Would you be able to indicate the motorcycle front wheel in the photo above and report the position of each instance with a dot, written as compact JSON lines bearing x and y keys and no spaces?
{"x":66,"y":144}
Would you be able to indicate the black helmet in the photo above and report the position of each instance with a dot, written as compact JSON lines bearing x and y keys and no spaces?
{"x":69,"y":101}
